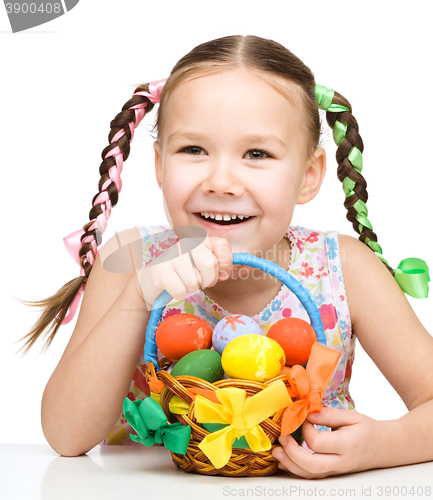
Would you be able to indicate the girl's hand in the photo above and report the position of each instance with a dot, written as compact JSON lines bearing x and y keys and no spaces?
{"x":356,"y":443}
{"x":174,"y":270}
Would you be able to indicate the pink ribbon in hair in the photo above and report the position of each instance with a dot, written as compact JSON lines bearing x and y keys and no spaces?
{"x":155,"y":89}
{"x":73,"y":245}
{"x":73,"y":241}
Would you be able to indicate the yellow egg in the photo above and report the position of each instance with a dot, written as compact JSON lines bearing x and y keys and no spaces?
{"x":253,"y":357}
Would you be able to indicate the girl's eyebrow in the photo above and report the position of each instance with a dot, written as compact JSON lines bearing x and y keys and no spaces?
{"x":265,"y":139}
{"x":251,"y":138}
{"x":190,"y":136}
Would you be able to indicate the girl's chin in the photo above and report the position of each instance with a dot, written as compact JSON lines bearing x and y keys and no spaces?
{"x":240,"y":272}
{"x":236,"y":273}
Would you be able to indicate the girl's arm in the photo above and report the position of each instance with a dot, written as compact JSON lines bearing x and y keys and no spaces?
{"x":400,"y":346}
{"x":394,"y":338}
{"x":83,"y":398}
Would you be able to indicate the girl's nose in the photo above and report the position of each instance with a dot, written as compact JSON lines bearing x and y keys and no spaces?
{"x":221,"y":181}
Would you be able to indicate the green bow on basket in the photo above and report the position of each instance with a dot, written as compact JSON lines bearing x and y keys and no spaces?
{"x":148,"y":420}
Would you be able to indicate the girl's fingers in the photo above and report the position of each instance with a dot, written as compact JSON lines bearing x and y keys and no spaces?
{"x":206,"y":264}
{"x":184,"y":268}
{"x":322,"y":441}
{"x":286,"y":464}
{"x":223,"y":252}
{"x":190,"y":276}
{"x":173,"y":284}
{"x":334,"y":417}
{"x":304,"y":463}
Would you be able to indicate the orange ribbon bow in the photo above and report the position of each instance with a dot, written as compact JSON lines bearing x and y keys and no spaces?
{"x":308,"y":385}
{"x":155,"y":385}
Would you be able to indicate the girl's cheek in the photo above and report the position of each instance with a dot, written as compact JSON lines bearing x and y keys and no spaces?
{"x":167,"y":214}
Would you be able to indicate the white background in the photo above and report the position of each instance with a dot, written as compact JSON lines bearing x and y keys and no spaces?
{"x":63,"y":82}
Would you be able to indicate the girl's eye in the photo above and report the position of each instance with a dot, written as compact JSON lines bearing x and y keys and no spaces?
{"x":257,"y":154}
{"x":193,"y":150}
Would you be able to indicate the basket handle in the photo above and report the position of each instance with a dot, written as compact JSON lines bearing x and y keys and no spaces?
{"x":244,"y":259}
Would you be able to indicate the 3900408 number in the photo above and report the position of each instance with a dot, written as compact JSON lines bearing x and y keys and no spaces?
{"x":403,"y":491}
{"x":32,"y":8}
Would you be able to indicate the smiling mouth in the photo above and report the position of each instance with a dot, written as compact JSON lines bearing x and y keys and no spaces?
{"x":223,"y":222}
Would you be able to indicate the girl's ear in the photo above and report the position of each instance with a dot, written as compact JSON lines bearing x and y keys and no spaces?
{"x":313,"y":177}
{"x":158,"y":163}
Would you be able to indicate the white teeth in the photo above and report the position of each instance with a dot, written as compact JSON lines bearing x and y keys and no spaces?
{"x":223,"y":217}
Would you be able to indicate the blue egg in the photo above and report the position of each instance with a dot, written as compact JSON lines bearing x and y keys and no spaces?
{"x":231,"y":327}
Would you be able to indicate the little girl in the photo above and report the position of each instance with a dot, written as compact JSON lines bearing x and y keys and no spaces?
{"x":237,"y":148}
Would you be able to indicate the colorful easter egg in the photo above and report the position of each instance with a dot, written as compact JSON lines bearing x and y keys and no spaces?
{"x":180,"y":334}
{"x":253,"y":357}
{"x":204,"y":364}
{"x":296,"y":337}
{"x":231,"y":327}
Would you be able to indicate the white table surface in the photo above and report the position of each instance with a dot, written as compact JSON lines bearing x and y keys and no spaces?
{"x":118,"y":472}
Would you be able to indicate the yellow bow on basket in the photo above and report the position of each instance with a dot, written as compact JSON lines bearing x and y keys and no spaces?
{"x":233,"y":432}
{"x":242,"y":416}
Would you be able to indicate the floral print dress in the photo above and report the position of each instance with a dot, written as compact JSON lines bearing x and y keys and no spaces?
{"x":315,"y":263}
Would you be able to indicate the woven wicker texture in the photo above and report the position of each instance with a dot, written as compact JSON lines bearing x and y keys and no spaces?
{"x":242,"y":462}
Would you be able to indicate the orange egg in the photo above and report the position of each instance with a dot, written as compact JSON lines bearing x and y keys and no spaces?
{"x":296,"y":337}
{"x":180,"y":334}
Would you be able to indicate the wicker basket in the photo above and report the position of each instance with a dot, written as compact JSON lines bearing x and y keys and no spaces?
{"x":243,"y":462}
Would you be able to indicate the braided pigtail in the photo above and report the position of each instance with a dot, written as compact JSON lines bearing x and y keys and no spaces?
{"x":82,"y":244}
{"x":411,"y":274}
{"x":349,"y":157}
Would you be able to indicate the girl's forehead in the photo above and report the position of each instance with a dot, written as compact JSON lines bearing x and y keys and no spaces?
{"x":237,"y":83}
{"x":237,"y":99}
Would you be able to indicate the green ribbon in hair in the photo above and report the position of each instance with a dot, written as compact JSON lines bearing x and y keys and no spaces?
{"x":412,"y":274}
{"x":150,"y":423}
{"x":324,"y":97}
{"x":340,"y":131}
{"x":413,"y":277}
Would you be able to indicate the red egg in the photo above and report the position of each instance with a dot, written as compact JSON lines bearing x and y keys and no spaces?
{"x":296,"y":337}
{"x":180,"y":334}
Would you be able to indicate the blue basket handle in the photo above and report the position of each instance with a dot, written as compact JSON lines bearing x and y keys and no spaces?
{"x":244,"y":259}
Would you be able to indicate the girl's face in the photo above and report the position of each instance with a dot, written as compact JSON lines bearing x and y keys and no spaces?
{"x":232,"y":145}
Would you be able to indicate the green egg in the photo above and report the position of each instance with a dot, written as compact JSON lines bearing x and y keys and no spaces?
{"x":204,"y":364}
